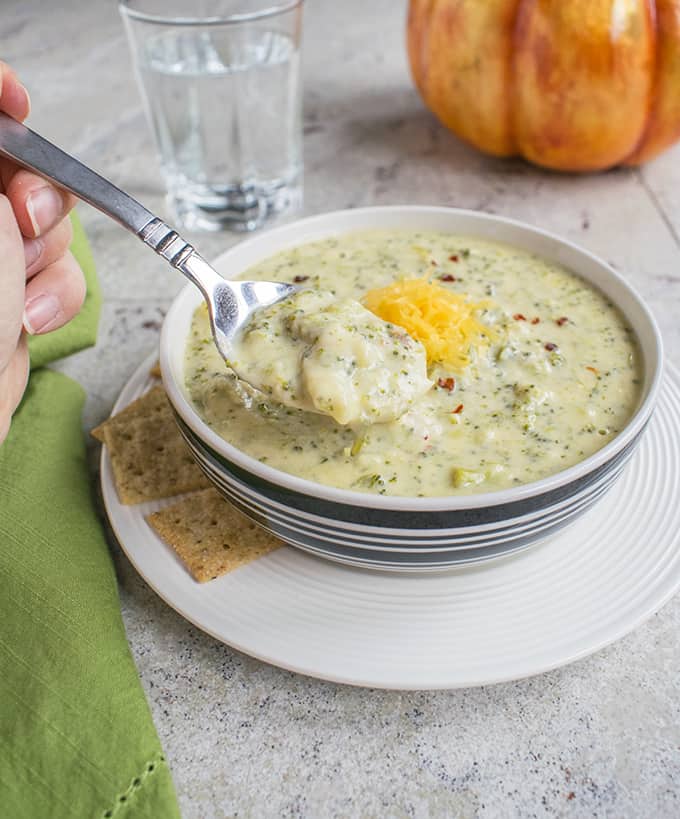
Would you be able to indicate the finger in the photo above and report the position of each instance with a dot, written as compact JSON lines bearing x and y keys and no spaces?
{"x":38,"y":206}
{"x":41,"y":252}
{"x":14,"y":99}
{"x":13,"y":382}
{"x":12,"y":282}
{"x":54,"y":296}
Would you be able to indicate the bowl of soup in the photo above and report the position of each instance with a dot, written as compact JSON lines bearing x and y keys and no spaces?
{"x":446,"y":386}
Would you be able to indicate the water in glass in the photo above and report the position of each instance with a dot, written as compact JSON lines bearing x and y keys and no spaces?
{"x":225,"y":109}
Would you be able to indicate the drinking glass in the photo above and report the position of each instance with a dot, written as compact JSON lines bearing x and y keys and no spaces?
{"x":221,"y":85}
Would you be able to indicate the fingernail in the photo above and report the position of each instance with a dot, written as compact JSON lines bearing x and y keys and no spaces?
{"x":32,"y":251}
{"x":40,"y":312}
{"x":44,"y":207}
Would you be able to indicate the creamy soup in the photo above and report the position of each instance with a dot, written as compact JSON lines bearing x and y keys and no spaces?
{"x":316,"y":352}
{"x":543,"y":373}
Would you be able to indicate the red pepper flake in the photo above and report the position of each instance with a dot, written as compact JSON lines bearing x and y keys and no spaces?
{"x":560,"y":321}
{"x":447,"y":277}
{"x":593,"y":370}
{"x":457,"y":410}
{"x":549,"y":346}
{"x":300,"y":279}
{"x":571,"y":795}
{"x":535,"y":320}
{"x":454,"y":257}
{"x":519,"y":317}
{"x":446,"y":383}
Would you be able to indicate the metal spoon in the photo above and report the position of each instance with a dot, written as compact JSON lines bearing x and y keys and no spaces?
{"x":230,"y":304}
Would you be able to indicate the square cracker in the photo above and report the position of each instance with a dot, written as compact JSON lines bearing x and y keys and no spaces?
{"x":149,"y":457}
{"x":153,"y":402}
{"x":210,"y":536}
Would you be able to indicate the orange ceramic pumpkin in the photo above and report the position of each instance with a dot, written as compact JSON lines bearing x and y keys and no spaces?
{"x":576,"y":85}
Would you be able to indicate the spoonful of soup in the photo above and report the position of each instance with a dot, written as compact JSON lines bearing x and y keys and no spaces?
{"x":317,"y":353}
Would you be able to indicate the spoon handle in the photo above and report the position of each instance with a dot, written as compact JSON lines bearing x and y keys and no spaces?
{"x":26,"y":148}
{"x":34,"y":152}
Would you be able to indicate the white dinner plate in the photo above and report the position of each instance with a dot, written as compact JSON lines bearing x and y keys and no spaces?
{"x":512,"y":618}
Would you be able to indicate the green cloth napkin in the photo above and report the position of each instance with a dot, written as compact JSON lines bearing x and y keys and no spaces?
{"x":76,"y":735}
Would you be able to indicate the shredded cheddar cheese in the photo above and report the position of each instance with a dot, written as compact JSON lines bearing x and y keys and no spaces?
{"x":442,"y":321}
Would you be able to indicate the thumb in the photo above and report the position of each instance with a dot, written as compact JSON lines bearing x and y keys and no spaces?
{"x":12,"y":282}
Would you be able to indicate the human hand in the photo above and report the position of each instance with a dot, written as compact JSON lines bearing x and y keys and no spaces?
{"x":41,"y":284}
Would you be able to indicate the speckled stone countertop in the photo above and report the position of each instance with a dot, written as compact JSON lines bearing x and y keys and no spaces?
{"x":597,"y":738}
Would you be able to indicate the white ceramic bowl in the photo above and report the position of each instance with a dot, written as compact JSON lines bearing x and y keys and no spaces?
{"x":395,"y":532}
